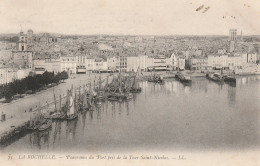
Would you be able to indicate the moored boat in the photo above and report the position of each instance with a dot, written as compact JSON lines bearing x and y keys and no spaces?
{"x":58,"y":115}
{"x":230,"y":79}
{"x":45,"y":125}
{"x":216,"y":77}
{"x":71,"y":112}
{"x":182,"y":78}
{"x":185,"y":79}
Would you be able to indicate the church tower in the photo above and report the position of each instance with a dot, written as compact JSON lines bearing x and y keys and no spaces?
{"x":232,"y":39}
{"x":22,"y":45}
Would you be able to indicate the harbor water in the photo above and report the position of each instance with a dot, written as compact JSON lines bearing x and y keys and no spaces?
{"x":204,"y":115}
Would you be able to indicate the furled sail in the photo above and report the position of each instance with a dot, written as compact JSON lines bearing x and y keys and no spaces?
{"x":71,"y":110}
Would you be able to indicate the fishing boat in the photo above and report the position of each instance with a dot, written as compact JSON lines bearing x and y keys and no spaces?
{"x":185,"y":79}
{"x":231,"y":78}
{"x":45,"y":125}
{"x":134,"y":88}
{"x":71,"y":112}
{"x":99,"y":91}
{"x":85,"y":103}
{"x":59,"y":114}
{"x":34,"y":125}
{"x":216,"y":77}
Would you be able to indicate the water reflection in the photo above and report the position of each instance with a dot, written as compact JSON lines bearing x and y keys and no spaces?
{"x":231,"y":94}
{"x":40,"y":139}
{"x":71,"y":129}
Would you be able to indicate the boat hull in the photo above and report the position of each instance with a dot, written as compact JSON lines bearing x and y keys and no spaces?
{"x":230,"y":79}
{"x":73,"y":116}
{"x":45,"y":125}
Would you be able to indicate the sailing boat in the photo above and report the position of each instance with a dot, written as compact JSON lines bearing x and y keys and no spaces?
{"x":71,"y":112}
{"x":86,"y":104}
{"x":35,"y":121}
{"x":134,"y":88}
{"x":39,"y":122}
{"x":59,"y":113}
{"x":100,"y":93}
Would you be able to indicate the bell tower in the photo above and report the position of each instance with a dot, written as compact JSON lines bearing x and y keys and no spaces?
{"x":22,"y":45}
{"x":232,"y":39}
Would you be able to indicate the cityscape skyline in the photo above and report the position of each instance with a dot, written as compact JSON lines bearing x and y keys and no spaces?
{"x":130,"y":17}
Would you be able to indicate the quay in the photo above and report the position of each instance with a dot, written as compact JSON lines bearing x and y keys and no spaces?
{"x":18,"y":113}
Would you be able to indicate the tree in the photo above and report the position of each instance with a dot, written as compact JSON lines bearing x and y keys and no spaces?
{"x":21,"y":87}
{"x":38,"y":81}
{"x":48,"y":77}
{"x":30,"y":81}
{"x":64,"y":75}
{"x":57,"y":77}
{"x":8,"y":93}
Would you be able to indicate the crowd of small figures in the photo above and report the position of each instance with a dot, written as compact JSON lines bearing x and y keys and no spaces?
{"x":120,"y":89}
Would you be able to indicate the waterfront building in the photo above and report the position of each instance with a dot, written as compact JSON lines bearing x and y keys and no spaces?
{"x":100,"y":65}
{"x":132,"y":62}
{"x":8,"y":74}
{"x":22,"y":73}
{"x":123,"y":62}
{"x":159,"y":63}
{"x":90,"y":62}
{"x":150,"y":62}
{"x":69,"y":64}
{"x":39,"y":66}
{"x":112,"y":63}
{"x":81,"y":60}
{"x":199,"y":63}
{"x":178,"y":62}
{"x":53,"y":65}
{"x":143,"y":61}
{"x":217,"y":61}
{"x":5,"y":75}
{"x":234,"y":62}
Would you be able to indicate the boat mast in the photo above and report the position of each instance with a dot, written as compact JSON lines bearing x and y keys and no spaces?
{"x":60,"y":101}
{"x":54,"y":100}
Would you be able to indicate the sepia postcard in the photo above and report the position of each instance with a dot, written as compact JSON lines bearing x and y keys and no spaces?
{"x":130,"y":82}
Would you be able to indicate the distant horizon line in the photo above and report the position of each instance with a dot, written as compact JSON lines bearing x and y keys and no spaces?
{"x":111,"y":34}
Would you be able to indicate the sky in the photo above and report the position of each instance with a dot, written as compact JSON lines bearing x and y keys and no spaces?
{"x":131,"y":17}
